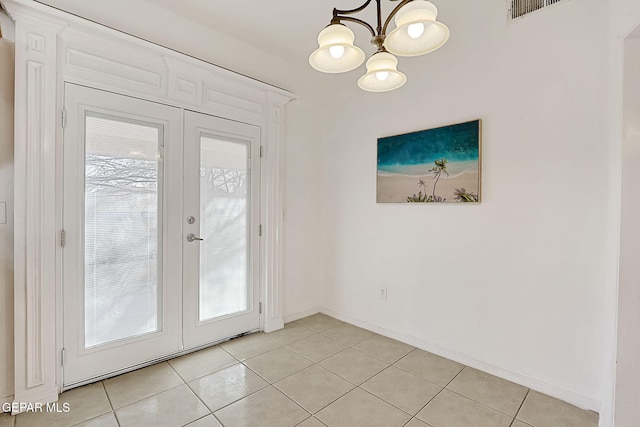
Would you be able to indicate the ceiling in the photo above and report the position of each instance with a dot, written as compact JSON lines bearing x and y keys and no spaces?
{"x":285,"y":28}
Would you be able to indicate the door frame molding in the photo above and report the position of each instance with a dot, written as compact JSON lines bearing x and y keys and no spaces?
{"x":53,"y":47}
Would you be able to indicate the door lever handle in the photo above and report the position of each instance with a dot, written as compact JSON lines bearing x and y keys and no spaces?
{"x":191,"y":237}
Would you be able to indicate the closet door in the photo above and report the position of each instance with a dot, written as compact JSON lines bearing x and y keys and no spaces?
{"x":220,"y":228}
{"x":122,"y":255}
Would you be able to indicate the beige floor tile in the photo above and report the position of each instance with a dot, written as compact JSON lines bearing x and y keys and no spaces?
{"x":175,"y":407}
{"x":249,"y":346}
{"x":354,"y":366}
{"x":540,"y":410}
{"x":201,"y":363}
{"x":316,"y":347}
{"x":314,"y":388}
{"x":106,"y":420}
{"x":489,"y":390}
{"x":316,"y":369}
{"x":277,"y":364}
{"x":85,"y":403}
{"x":360,"y":409}
{"x":6,"y":420}
{"x":128,"y":388}
{"x":311,"y":422}
{"x":416,"y":423}
{"x":266,"y":408}
{"x":429,"y":366}
{"x":290,"y":333}
{"x":449,"y":409}
{"x":385,"y":348}
{"x":402,"y":389}
{"x":226,"y":386}
{"x":318,"y":322}
{"x":208,"y":421}
{"x":347,"y":335}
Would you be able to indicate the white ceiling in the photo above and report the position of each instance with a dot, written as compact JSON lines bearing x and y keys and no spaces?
{"x":285,"y":28}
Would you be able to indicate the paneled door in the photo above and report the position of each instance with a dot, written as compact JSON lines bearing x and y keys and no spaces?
{"x":221,"y":228}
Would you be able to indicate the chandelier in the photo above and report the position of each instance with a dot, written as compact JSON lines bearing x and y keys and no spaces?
{"x":417,"y":32}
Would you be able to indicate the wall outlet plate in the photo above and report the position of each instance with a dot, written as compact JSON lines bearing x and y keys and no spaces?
{"x":382,"y":292}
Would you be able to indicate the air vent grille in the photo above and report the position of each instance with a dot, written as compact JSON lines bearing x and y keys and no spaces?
{"x":520,"y":8}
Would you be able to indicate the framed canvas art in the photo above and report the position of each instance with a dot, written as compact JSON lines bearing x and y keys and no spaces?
{"x":440,"y":165}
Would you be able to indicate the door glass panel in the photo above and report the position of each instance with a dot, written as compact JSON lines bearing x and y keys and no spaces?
{"x":122,"y":228}
{"x":224,"y":192}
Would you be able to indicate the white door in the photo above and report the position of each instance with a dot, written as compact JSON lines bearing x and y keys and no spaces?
{"x":221,"y":228}
{"x":122,"y":206}
{"x":143,"y":183}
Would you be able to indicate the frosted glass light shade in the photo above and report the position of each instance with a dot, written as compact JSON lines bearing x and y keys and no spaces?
{"x":407,"y":39}
{"x":382,"y":74}
{"x":336,"y":53}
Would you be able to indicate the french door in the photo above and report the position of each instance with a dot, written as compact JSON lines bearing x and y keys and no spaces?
{"x":160,"y":209}
{"x":221,"y":221}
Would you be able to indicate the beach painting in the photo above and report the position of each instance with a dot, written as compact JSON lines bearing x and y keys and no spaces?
{"x":440,"y":165}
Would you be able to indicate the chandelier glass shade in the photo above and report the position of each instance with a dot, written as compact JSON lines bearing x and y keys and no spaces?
{"x":382,"y":74}
{"x":336,"y":53}
{"x":417,"y":32}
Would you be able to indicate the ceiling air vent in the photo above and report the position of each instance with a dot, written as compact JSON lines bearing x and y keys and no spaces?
{"x":520,"y":8}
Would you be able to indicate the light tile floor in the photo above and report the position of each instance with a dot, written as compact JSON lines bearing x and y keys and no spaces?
{"x":315,"y":372}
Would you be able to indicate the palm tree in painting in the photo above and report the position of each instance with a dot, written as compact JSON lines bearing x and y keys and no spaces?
{"x":438,"y":170}
{"x":423,"y":184}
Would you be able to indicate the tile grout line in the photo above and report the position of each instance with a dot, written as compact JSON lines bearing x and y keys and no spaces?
{"x":110,"y":404}
{"x":520,"y":407}
{"x":147,"y":397}
{"x":388,"y":403}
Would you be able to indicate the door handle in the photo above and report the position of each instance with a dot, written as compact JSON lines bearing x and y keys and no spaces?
{"x":191,"y":237}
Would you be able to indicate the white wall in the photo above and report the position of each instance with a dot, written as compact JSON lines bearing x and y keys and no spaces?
{"x":6,"y":196}
{"x":513,"y":285}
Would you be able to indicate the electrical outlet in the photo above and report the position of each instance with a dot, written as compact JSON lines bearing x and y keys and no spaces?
{"x":382,"y":292}
{"x":3,"y":212}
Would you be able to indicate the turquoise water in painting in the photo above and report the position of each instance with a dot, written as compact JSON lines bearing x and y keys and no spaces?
{"x":415,"y":153}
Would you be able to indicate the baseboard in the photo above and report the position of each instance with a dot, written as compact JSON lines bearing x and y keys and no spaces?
{"x":576,"y":399}
{"x":299,"y":315}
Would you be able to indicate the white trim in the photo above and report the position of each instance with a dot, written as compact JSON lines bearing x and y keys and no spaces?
{"x":616,"y":126}
{"x":53,"y":47}
{"x":35,"y":263}
{"x":576,"y":399}
{"x":273,"y":206}
{"x":301,"y":314}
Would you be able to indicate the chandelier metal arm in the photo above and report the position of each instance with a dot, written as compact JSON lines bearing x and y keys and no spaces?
{"x":337,"y":12}
{"x":338,"y":16}
{"x":338,"y":19}
{"x":378,"y":35}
